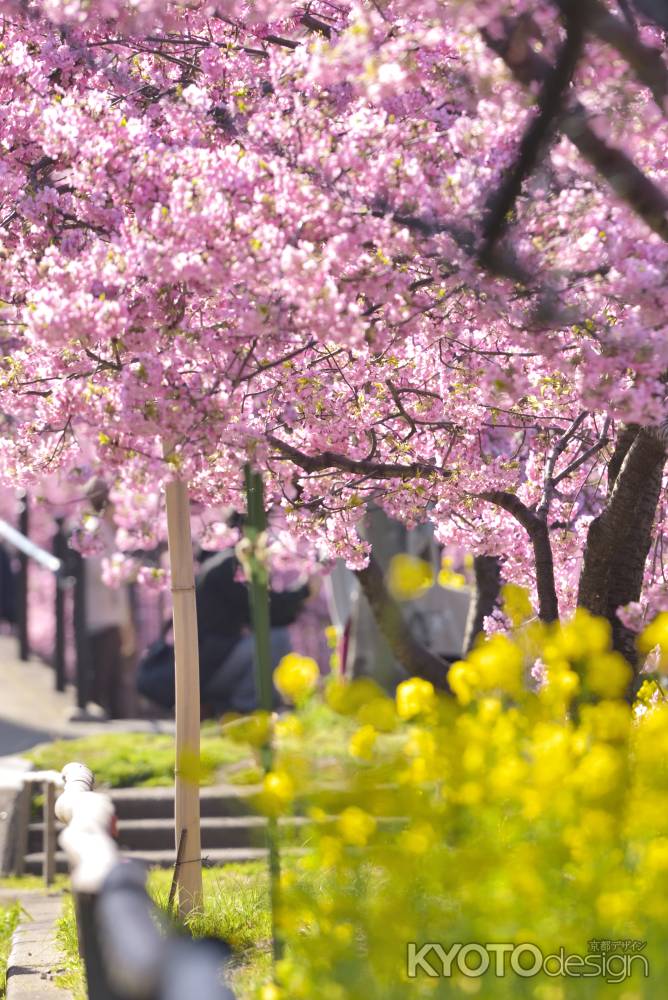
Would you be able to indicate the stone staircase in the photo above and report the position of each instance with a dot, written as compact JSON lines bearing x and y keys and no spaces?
{"x":230,"y":830}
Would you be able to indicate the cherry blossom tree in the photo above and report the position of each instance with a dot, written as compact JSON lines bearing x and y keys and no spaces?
{"x":400,"y":251}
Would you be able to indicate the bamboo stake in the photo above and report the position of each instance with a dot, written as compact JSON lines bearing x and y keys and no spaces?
{"x":187,"y":812}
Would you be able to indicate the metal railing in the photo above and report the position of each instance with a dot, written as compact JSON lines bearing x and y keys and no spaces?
{"x":128,"y":949}
{"x":67,"y":568}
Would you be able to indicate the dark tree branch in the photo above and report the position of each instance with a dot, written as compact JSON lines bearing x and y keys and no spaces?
{"x":537,"y":530}
{"x":416,"y":659}
{"x":646,"y":199}
{"x":627,"y":13}
{"x":625,"y":439}
{"x":550,"y":102}
{"x":378,"y":470}
{"x":287,"y":43}
{"x":315,"y":24}
{"x":558,"y":448}
{"x":646,"y":63}
{"x":264,"y":366}
{"x":585,"y":456}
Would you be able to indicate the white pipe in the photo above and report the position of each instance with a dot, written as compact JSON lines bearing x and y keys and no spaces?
{"x":24,"y":544}
{"x":86,"y":839}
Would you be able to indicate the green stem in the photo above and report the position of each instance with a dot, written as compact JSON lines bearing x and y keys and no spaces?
{"x":256,"y":524}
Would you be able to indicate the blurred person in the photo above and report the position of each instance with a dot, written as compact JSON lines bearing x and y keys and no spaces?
{"x":226,"y":641}
{"x":109,"y":629}
{"x":225,"y":637}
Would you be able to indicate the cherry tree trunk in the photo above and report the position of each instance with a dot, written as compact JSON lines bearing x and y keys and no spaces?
{"x":416,"y":659}
{"x":620,"y":538}
{"x":487,"y":572}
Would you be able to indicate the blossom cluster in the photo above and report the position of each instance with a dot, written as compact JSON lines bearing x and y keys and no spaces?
{"x":248,"y":231}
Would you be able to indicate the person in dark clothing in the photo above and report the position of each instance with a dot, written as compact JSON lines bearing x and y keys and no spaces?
{"x":226,"y":643}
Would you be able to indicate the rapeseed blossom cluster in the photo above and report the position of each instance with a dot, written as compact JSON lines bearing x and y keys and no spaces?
{"x":505,"y":811}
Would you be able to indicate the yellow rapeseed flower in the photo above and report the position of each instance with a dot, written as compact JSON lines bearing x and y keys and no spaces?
{"x":296,"y":677}
{"x":608,"y":675}
{"x":462,"y":678}
{"x":278,"y":792}
{"x":418,"y":838}
{"x":447,"y":576}
{"x":408,"y":577}
{"x":414,"y":697}
{"x":347,"y":697}
{"x":270,"y":991}
{"x":379,"y":713}
{"x":516,"y":604}
{"x":656,"y":634}
{"x":356,"y":826}
{"x":499,"y":663}
{"x":253,"y":729}
{"x":362,"y":742}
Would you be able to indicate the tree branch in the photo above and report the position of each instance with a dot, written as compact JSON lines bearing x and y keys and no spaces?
{"x":537,"y":530}
{"x":555,"y":83}
{"x":417,"y":660}
{"x":377,"y":470}
{"x":625,"y":439}
{"x":559,"y":447}
{"x":646,"y":199}
{"x":586,"y":455}
{"x":646,"y":63}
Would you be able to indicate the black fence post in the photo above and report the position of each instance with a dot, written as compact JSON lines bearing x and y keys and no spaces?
{"x":22,"y":585}
{"x":97,"y":983}
{"x":60,"y":552}
{"x":81,"y":633}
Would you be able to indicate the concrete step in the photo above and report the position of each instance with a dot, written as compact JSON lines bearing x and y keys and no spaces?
{"x":158,"y":803}
{"x":159,"y":859}
{"x":234,"y":800}
{"x":158,"y":834}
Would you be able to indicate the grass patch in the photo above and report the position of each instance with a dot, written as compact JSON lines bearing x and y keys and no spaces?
{"x":236,"y":908}
{"x":9,"y":918}
{"x":236,"y":903}
{"x":126,"y":760}
{"x":73,"y":978}
{"x":27,"y":883}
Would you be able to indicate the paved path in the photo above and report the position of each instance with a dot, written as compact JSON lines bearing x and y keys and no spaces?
{"x":32,"y":711}
{"x":35,"y":960}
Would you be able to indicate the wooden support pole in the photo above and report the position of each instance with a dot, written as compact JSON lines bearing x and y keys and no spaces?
{"x":49,"y":841}
{"x":187,"y":813}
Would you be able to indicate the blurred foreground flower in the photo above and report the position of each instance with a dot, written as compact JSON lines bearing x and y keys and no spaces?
{"x":278,"y":792}
{"x":414,"y":697}
{"x":656,"y":636}
{"x":296,"y":677}
{"x":409,"y":578}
